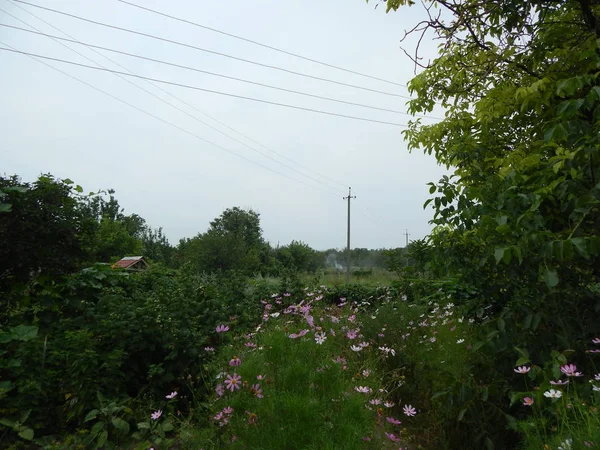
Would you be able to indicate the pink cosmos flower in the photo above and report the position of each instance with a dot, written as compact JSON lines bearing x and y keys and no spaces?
{"x":375,"y":401}
{"x":352,"y":318}
{"x":172,"y":395}
{"x":570,"y":370}
{"x":233,"y":382}
{"x":522,"y":369}
{"x":409,"y":410}
{"x":392,"y":437}
{"x":362,"y":389}
{"x":388,"y":404}
{"x":351,"y":334}
{"x":364,"y":344}
{"x":432,"y":339}
{"x":260,"y":377}
{"x":596,"y":341}
{"x":293,"y":336}
{"x":310,"y":320}
{"x":366,"y":438}
{"x":559,"y":382}
{"x":597,"y":377}
{"x":528,"y":401}
{"x":287,"y":294}
{"x":302,"y":333}
{"x":340,"y":360}
{"x":235,"y":361}
{"x":334,"y":319}
{"x":250,"y":344}
{"x":220,"y":390}
{"x":380,"y":334}
{"x":393,"y":421}
{"x":366,"y":373}
{"x":209,"y":349}
{"x":228,"y":410}
{"x":222,"y":328}
{"x":256,"y":390}
{"x":156,"y":414}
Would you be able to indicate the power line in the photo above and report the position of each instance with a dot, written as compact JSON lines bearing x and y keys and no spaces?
{"x":159,"y":61}
{"x":179,"y":109}
{"x":182,"y":101}
{"x":196,"y":88}
{"x":211,"y":51}
{"x":333,"y":66}
{"x":159,"y":118}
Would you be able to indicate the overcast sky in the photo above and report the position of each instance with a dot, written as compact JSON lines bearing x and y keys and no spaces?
{"x":51,"y":123}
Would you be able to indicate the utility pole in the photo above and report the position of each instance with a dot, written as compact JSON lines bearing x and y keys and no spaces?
{"x":350,"y":196}
{"x":406,"y":248}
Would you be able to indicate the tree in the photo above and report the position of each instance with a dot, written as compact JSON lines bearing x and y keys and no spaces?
{"x":520,"y":84}
{"x":45,"y":230}
{"x":297,"y":256}
{"x":233,"y":242}
{"x":518,"y":219}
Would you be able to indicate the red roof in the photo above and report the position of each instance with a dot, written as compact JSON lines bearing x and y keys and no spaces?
{"x":128,"y":261}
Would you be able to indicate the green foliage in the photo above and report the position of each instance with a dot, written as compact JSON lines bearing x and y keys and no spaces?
{"x":44,"y":232}
{"x":232,"y":243}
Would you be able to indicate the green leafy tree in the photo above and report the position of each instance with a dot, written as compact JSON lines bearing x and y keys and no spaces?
{"x":233,"y":242}
{"x":297,"y":256}
{"x":518,"y":218}
{"x":44,"y":232}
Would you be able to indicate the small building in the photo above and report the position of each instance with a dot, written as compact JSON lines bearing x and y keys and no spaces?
{"x":132,"y":263}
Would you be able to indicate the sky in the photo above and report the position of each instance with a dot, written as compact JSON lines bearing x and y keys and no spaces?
{"x":168,"y":166}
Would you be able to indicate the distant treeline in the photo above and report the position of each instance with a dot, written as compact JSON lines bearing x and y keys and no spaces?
{"x":52,"y":227}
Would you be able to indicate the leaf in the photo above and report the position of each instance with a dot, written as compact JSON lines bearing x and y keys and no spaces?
{"x":96,"y":429}
{"x":102,"y":439}
{"x":25,"y":416}
{"x":521,"y":361}
{"x":5,"y":207}
{"x":499,"y":253}
{"x":581,"y":246}
{"x":489,"y":444}
{"x":79,"y":189}
{"x":550,"y":277}
{"x":143,"y":425}
{"x":26,"y":434}
{"x":501,"y":324}
{"x":24,"y":332}
{"x":536,"y":321}
{"x":120,"y":424}
{"x":461,"y":414}
{"x":167,"y":426}
{"x":91,"y":415}
{"x":8,"y":422}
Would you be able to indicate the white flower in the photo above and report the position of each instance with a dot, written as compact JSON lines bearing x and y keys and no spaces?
{"x":567,"y":445}
{"x":388,"y":404}
{"x":320,"y":338}
{"x":460,"y":341}
{"x":553,"y":393}
{"x":362,"y":389}
{"x":366,"y":373}
{"x":356,"y":348}
{"x":275,"y":315}
{"x":595,"y":388}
